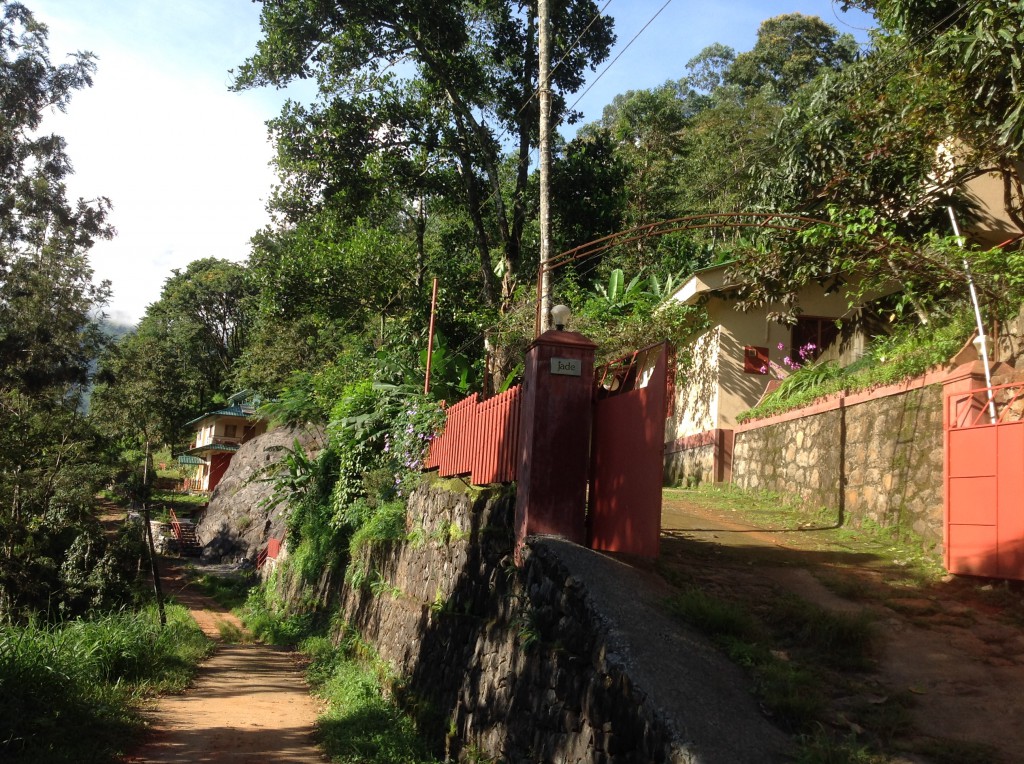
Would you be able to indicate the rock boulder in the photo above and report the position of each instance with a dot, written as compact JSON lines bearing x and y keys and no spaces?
{"x":238,"y":521}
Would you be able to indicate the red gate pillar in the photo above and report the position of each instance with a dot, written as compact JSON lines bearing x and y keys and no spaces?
{"x":554,"y":450}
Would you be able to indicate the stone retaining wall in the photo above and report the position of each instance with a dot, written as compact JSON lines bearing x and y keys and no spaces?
{"x":689,"y":466}
{"x":511,"y":664}
{"x":879,"y":460}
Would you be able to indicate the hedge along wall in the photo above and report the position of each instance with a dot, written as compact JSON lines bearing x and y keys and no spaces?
{"x":873,"y":456}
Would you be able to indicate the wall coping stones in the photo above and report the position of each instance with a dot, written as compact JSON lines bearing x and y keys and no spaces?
{"x":698,"y":693}
{"x":839,"y":400}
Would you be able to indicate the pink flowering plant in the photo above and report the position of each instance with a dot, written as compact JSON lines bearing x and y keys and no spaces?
{"x":789,"y":364}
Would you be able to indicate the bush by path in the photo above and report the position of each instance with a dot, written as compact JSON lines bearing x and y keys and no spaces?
{"x":69,"y":693}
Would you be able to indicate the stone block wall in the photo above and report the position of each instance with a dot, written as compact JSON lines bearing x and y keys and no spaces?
{"x":689,"y":465}
{"x":877,"y":459}
{"x":504,"y":664}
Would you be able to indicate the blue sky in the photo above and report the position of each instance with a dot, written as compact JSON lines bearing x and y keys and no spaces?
{"x":186,"y":162}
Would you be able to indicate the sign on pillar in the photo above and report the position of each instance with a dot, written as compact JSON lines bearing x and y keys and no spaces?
{"x":554,"y":451}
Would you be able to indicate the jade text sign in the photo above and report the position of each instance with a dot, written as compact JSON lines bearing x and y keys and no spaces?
{"x":570,"y":367}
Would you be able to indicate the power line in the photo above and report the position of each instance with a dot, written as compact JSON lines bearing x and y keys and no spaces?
{"x":619,"y":55}
{"x":894,"y":59}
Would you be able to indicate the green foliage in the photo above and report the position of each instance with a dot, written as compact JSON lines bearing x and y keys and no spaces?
{"x":273,"y":620}
{"x":383,"y":524}
{"x":909,"y":351}
{"x":623,"y":317}
{"x":791,"y":50}
{"x":53,"y":554}
{"x":305,"y":483}
{"x":715,"y":617}
{"x":179,"y":360}
{"x":438,"y":177}
{"x":820,"y":748}
{"x":51,"y":459}
{"x":70,"y":690}
{"x":980,"y":48}
{"x":360,"y":725}
{"x":231,"y":591}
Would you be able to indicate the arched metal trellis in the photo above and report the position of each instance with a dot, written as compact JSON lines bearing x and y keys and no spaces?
{"x":775,"y":221}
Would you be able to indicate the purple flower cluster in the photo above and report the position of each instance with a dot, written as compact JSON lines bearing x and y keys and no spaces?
{"x":805,"y":352}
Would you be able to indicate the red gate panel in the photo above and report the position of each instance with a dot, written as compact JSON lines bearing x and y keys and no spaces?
{"x":985,"y":483}
{"x":624,"y":510}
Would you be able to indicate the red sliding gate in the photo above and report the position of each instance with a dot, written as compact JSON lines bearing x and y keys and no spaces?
{"x":624,"y":513}
{"x":985,"y":482}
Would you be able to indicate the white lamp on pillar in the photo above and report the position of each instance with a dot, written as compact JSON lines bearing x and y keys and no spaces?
{"x":560,"y":316}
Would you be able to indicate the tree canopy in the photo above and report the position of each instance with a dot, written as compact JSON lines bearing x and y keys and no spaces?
{"x":51,"y":458}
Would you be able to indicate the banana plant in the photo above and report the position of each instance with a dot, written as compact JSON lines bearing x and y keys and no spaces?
{"x":615,"y":295}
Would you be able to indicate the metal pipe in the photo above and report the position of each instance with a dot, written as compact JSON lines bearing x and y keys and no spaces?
{"x":977,"y":317}
{"x":430,"y":338}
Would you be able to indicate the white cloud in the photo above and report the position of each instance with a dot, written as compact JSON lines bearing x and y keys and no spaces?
{"x":184,"y":161}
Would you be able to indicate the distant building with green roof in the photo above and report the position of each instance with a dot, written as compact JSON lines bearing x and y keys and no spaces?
{"x":218,"y":435}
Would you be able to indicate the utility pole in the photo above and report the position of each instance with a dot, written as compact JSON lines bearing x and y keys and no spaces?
{"x":544,"y":79}
{"x":147,"y":519}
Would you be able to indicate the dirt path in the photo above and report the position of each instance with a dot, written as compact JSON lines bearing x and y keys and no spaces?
{"x":955,"y":649}
{"x":248,"y":703}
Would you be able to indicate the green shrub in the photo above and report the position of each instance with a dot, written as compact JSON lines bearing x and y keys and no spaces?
{"x":67,"y":692}
{"x":386,"y":523}
{"x":909,"y":351}
{"x":361,"y":725}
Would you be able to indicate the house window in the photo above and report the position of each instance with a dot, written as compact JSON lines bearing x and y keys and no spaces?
{"x":230,"y":430}
{"x":819,"y":332}
{"x":755,"y":360}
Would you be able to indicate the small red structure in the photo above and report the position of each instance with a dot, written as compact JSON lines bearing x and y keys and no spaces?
{"x":554,"y":452}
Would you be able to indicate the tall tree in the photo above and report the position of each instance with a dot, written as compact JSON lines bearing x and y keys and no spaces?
{"x":468,"y":96}
{"x":48,"y":334}
{"x":791,"y":50}
{"x":976,"y":49}
{"x":181,"y":358}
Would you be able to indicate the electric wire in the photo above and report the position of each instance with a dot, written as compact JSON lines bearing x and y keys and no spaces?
{"x":895,"y":58}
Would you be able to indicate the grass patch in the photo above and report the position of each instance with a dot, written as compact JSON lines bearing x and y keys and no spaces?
{"x":361,"y":724}
{"x":788,"y":691}
{"x":232,"y":634}
{"x":821,"y":748}
{"x":184,"y":504}
{"x":839,"y":640}
{"x":895,"y":549}
{"x":69,"y":693}
{"x":946,"y":751}
{"x":385,"y":523}
{"x":231,"y":591}
{"x":719,"y":619}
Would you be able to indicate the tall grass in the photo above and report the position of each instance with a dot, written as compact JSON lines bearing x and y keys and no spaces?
{"x":361,"y":725}
{"x":68,"y":692}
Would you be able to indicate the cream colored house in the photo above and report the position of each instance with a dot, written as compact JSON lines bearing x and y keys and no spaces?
{"x":217,"y":436}
{"x":992,"y":225}
{"x":733,"y":365}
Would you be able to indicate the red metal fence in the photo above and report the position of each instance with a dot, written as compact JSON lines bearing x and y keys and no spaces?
{"x":480,"y":438}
